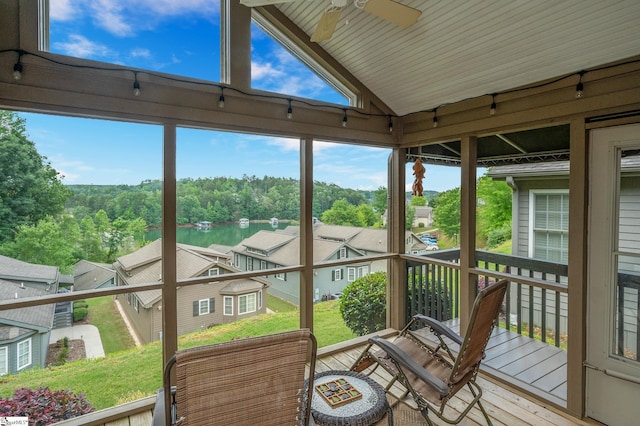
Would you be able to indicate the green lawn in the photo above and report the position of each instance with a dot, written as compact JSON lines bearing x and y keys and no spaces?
{"x":113,"y":332}
{"x":137,"y":372}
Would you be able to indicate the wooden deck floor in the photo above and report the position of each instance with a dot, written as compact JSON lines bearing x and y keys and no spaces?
{"x":510,"y":357}
{"x":536,"y":367}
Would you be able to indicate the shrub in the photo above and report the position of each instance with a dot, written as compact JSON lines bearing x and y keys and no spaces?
{"x":80,"y":314}
{"x":497,"y":236}
{"x":80,"y":304}
{"x":363,"y":304}
{"x":43,"y":406}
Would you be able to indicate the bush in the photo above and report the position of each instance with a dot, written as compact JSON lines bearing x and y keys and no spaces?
{"x":363,"y":304}
{"x":43,"y":406}
{"x":80,"y":304}
{"x":80,"y":314}
{"x":497,"y":236}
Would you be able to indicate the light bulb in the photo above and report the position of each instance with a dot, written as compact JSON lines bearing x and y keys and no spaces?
{"x":579,"y":88}
{"x":221,"y":101}
{"x":289,"y":113}
{"x":492,"y":111}
{"x":17,"y":71}
{"x":136,"y":88}
{"x":435,"y":121}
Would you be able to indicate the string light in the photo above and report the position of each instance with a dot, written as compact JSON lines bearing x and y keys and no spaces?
{"x":579,"y":86}
{"x":221,"y":98}
{"x":136,"y":85}
{"x":17,"y":68}
{"x":290,"y":110}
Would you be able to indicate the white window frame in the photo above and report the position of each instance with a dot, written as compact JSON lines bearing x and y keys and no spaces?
{"x":351,"y":274}
{"x":136,"y":303}
{"x":214,"y":272}
{"x":532,"y":217}
{"x":20,"y":353}
{"x":263,"y":264}
{"x":227,"y":305}
{"x":203,"y":303}
{"x":260,"y":299}
{"x":342,"y":253}
{"x":4,"y":360}
{"x":250,"y":301}
{"x":337,"y":274}
{"x":280,"y":276}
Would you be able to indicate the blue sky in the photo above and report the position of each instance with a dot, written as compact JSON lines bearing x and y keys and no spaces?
{"x":182,"y":38}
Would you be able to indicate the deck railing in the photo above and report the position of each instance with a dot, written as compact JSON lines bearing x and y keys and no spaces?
{"x":536,"y":302}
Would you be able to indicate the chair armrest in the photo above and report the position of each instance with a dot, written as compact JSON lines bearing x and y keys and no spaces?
{"x":406,"y":362}
{"x":439,"y":328}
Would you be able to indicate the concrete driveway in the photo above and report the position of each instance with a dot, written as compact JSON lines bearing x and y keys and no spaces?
{"x":87,"y":332}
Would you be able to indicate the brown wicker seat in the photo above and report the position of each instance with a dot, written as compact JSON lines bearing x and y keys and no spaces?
{"x":256,"y":380}
{"x":431,"y":373}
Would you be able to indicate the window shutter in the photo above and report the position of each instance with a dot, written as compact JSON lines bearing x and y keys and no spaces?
{"x":212,"y":304}
{"x":196,"y":308}
{"x":333,"y":275}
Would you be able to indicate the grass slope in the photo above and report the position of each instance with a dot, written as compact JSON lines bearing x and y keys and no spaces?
{"x":135,"y":373}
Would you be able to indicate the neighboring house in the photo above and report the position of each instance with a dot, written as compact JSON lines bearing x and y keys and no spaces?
{"x":540,"y":219}
{"x":90,"y":275}
{"x":281,"y":248}
{"x":199,"y":306}
{"x":423,"y":216}
{"x":24,"y":332}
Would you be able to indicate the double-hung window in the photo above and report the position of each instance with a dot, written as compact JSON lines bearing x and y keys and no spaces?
{"x":549,"y":225}
{"x":4,"y":360}
{"x":246,"y":303}
{"x":24,"y":354}
{"x":228,"y":305}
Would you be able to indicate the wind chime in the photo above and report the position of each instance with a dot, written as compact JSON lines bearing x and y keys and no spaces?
{"x":418,"y":172}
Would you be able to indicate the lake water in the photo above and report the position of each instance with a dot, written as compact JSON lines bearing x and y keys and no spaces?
{"x":228,"y":234}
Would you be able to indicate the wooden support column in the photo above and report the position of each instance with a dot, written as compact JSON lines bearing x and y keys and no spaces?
{"x":235,"y":44}
{"x":467,"y":229}
{"x":306,"y":233}
{"x":169,"y":276}
{"x":396,"y":200}
{"x":578,"y":239}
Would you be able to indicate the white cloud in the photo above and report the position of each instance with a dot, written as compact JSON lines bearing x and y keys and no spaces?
{"x":108,"y":15}
{"x":262,"y":71}
{"x":140,"y":52}
{"x":80,"y":46}
{"x":62,"y":10}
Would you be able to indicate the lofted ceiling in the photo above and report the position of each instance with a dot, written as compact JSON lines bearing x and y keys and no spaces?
{"x":461,"y":49}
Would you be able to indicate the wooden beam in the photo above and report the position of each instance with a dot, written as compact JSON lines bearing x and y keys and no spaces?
{"x":306,"y":233}
{"x":577,"y":267}
{"x":467,"y":229}
{"x":396,"y":202}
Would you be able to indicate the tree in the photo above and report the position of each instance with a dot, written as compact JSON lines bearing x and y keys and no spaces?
{"x":49,"y":242}
{"x":418,"y":200}
{"x":30,"y":189}
{"x":379,"y":203}
{"x":494,"y":205}
{"x":363,"y":304}
{"x":446,"y":212}
{"x":342,"y":213}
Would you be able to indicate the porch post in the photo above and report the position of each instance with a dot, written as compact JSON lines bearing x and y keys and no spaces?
{"x":577,"y":274}
{"x":306,"y":233}
{"x":235,"y":44}
{"x":397,"y":289}
{"x":169,"y":276}
{"x":467,"y":228}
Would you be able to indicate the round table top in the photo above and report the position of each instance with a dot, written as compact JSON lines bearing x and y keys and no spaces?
{"x":366,"y":410}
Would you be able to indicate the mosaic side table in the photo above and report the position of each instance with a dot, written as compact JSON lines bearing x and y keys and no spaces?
{"x":363,"y":411}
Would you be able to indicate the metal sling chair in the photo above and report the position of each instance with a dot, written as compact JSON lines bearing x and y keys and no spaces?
{"x":430,"y":372}
{"x":255,"y":380}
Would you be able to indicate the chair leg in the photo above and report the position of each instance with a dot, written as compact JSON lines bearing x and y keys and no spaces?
{"x":484,"y":412}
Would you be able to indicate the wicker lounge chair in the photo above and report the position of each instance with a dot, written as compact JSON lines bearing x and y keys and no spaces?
{"x":431,"y":373}
{"x":256,"y":380}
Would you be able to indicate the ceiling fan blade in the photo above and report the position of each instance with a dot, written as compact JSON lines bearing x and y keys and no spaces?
{"x":255,"y":3}
{"x":394,"y":12}
{"x":327,"y":24}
